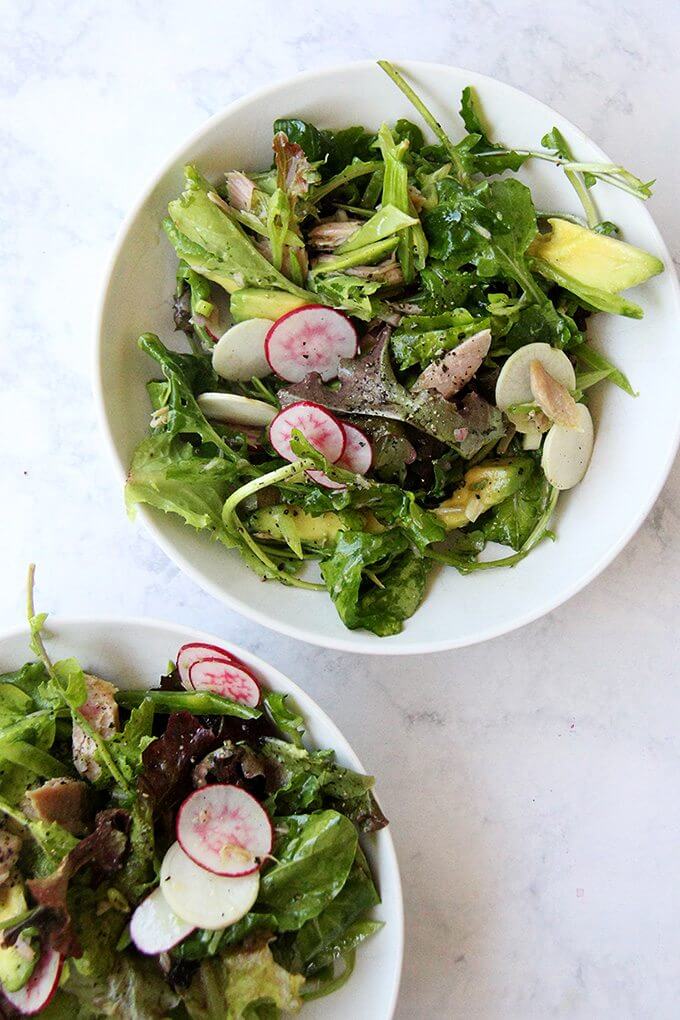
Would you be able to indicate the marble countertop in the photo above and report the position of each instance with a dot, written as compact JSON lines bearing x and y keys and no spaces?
{"x":542,"y":868}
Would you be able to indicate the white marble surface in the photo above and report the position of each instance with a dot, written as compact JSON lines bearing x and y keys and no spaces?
{"x":534,"y":782}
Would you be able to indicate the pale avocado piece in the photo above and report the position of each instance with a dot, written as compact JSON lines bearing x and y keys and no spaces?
{"x":15,"y":970}
{"x":594,"y":259}
{"x":484,"y":486}
{"x":283,"y":523}
{"x":254,"y":303}
{"x":594,"y":297}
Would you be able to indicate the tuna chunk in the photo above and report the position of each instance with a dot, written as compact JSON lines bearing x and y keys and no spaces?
{"x":552,"y":397}
{"x":330,"y":235}
{"x":455,"y":369}
{"x":10,"y":845}
{"x":240,"y":190}
{"x":65,"y":801}
{"x":101,"y":711}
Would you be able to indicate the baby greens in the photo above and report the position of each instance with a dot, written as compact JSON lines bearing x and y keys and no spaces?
{"x":91,"y":778}
{"x":435,"y":255}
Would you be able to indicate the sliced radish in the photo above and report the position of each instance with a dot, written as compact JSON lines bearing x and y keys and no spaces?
{"x":317,"y":425}
{"x":358,"y":453}
{"x":154,"y":928}
{"x":193,"y":652}
{"x":567,"y":451}
{"x":310,"y":339}
{"x":233,"y":409}
{"x":224,"y":830}
{"x":514,"y":381}
{"x":239,"y":353}
{"x":41,"y":985}
{"x":228,"y":679}
{"x":201,"y":898}
{"x":357,"y":457}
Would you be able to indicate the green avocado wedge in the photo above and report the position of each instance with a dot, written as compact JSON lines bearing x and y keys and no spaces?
{"x":595,"y":260}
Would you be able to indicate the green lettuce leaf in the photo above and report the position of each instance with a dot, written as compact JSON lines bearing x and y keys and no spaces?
{"x":337,"y":928}
{"x":236,"y":983}
{"x":314,"y":857}
{"x":171,"y":475}
{"x":236,"y":262}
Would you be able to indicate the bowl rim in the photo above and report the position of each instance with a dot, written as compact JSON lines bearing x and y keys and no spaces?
{"x":309,"y":707}
{"x":345,"y":642}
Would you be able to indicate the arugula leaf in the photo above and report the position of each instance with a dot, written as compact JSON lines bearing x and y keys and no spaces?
{"x":540,"y":323}
{"x":475,"y":153}
{"x":384,"y":608}
{"x":284,"y":718}
{"x":597,"y":361}
{"x":396,"y":582}
{"x":184,"y":416}
{"x":445,"y":286}
{"x":314,"y":857}
{"x":352,"y":294}
{"x":512,"y":521}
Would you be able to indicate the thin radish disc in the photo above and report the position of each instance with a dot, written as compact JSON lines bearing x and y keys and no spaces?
{"x":310,"y":339}
{"x":227,"y":679}
{"x":154,"y":928}
{"x":193,"y":652}
{"x":224,"y":830}
{"x":40,"y":987}
{"x":357,"y":457}
{"x":316,"y":424}
{"x":201,"y":898}
{"x":358,"y":453}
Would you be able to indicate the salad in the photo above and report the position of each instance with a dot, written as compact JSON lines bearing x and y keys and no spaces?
{"x":173,"y":852}
{"x":388,"y":365}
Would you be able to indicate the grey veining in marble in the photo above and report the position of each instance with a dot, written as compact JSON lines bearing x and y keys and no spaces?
{"x":542,"y":868}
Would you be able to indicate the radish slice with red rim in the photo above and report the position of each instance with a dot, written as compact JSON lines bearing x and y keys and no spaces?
{"x":227,"y":679}
{"x":357,"y":457}
{"x":193,"y":652}
{"x":358,"y":453}
{"x":317,"y":425}
{"x":154,"y":928}
{"x":224,"y":830}
{"x":40,"y":987}
{"x":310,"y":339}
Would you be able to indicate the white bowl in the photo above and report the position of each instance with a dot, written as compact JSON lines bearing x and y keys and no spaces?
{"x":636,"y":439}
{"x":133,"y":654}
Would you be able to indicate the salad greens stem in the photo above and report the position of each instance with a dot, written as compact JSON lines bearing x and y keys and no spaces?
{"x":38,"y":646}
{"x":540,"y":531}
{"x":350,"y":173}
{"x":198,"y":702}
{"x":232,"y":522}
{"x":608,"y":173}
{"x":428,"y":117}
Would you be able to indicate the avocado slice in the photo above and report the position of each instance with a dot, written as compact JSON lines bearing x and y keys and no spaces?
{"x":15,"y":970}
{"x":593,"y":260}
{"x":256,"y":303}
{"x":292,"y":525}
{"x":484,"y":486}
